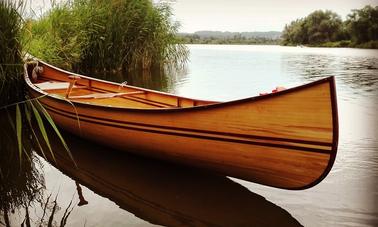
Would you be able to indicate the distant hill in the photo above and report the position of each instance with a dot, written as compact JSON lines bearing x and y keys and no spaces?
{"x":231,"y":35}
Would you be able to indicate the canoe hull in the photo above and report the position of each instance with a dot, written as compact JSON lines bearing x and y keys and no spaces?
{"x":286,"y":140}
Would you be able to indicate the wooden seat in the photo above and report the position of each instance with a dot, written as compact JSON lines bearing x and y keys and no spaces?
{"x":106,"y":95}
{"x":55,"y":85}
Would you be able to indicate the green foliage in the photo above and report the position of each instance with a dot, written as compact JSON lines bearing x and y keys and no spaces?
{"x":10,"y":51}
{"x":372,"y":44}
{"x":56,"y":37}
{"x":243,"y":38}
{"x":11,"y":65}
{"x":325,"y":28}
{"x":12,"y":39}
{"x":54,"y":127}
{"x":342,"y":43}
{"x":92,"y":36}
{"x":318,"y":27}
{"x":19,"y":131}
{"x":42,"y":128}
{"x":194,"y":39}
{"x":362,"y":24}
{"x":294,"y":33}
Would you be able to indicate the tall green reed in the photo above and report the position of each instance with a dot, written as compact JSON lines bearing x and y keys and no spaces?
{"x":12,"y":43}
{"x":93,"y":36}
{"x":10,"y":51}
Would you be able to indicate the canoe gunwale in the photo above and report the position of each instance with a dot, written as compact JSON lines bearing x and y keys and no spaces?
{"x":330,"y":79}
{"x":101,"y":81}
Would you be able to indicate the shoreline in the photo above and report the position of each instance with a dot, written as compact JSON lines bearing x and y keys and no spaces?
{"x":373,"y":45}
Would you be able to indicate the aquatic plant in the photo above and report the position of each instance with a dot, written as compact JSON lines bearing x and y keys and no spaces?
{"x":10,"y":49}
{"x":92,"y":36}
{"x":22,"y":184}
{"x":12,"y":95}
{"x":20,"y":179}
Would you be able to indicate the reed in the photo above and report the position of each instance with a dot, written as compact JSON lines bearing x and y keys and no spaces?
{"x":10,"y":51}
{"x":12,"y":95}
{"x":96,"y":36}
{"x":20,"y":178}
{"x":22,"y":183}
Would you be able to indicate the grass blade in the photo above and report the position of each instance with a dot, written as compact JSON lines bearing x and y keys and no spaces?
{"x":19,"y":131}
{"x":53,"y":125}
{"x":42,"y":128}
{"x":28,"y":118}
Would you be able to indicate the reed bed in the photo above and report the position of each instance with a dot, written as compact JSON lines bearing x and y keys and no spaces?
{"x":83,"y":35}
{"x":13,"y":99}
{"x":87,"y":36}
{"x":97,"y":36}
{"x":10,"y":51}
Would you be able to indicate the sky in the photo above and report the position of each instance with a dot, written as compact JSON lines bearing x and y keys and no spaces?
{"x":243,"y":15}
{"x":253,"y":15}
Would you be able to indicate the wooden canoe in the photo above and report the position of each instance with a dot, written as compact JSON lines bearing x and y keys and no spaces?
{"x":286,"y":139}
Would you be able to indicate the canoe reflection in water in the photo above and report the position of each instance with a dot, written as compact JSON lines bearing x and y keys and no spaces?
{"x":165,"y":194}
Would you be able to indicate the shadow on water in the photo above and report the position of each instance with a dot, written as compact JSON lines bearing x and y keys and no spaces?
{"x":158,"y":192}
{"x":20,"y":181}
{"x":156,"y":79}
{"x":163,"y":193}
{"x":22,"y":184}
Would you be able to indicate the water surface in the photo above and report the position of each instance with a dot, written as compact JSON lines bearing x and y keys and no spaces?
{"x":349,"y":195}
{"x":122,"y":189}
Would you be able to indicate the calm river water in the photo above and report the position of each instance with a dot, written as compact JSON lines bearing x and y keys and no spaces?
{"x":124,"y":190}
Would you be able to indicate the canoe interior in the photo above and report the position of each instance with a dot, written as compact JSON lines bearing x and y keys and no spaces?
{"x":90,"y":90}
{"x":286,"y":140}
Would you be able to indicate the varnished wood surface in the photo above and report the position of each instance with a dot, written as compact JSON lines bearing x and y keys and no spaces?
{"x":286,"y":140}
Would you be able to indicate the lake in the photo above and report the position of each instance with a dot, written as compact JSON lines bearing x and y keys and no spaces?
{"x":126,"y":190}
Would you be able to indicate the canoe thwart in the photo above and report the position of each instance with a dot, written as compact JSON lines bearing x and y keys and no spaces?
{"x":106,"y":95}
{"x":55,"y":85}
{"x":73,"y":79}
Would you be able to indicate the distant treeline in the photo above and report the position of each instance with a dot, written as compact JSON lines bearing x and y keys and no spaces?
{"x":218,"y":37}
{"x":326,"y":28}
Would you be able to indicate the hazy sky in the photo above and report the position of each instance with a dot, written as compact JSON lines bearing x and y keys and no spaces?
{"x":244,"y":15}
{"x":253,"y":15}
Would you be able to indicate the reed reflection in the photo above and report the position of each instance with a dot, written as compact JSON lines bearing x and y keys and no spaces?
{"x":20,"y":181}
{"x":22,"y":184}
{"x":160,"y":79}
{"x":165,"y":194}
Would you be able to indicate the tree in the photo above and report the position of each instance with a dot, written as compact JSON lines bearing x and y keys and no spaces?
{"x":320,"y":26}
{"x":323,"y":26}
{"x":362,"y":24}
{"x":295,"y":33}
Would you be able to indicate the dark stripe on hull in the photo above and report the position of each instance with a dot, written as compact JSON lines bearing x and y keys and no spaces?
{"x":244,"y":136}
{"x":155,"y":129}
